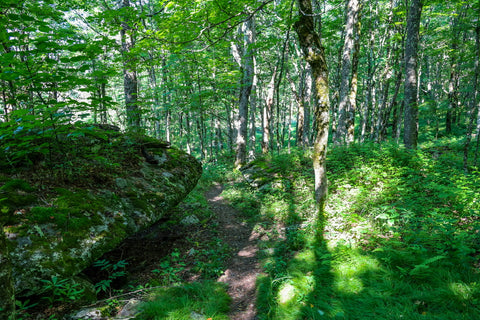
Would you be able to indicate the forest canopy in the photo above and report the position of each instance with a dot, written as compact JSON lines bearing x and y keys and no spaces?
{"x":208,"y":75}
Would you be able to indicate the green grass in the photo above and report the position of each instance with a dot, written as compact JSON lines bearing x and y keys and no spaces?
{"x":400,"y":238}
{"x":200,"y":299}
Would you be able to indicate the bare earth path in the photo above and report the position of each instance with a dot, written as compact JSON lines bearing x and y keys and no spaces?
{"x":243,"y":267}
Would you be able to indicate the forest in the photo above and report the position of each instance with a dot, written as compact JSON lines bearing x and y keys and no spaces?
{"x":344,"y":133}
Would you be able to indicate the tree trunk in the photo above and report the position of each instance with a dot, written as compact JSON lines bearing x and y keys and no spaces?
{"x":410,"y":87}
{"x":152,"y":74}
{"x":475,"y":108}
{"x":354,"y":82}
{"x":307,"y":95}
{"x":166,"y":100}
{"x":230,"y":127}
{"x":218,"y":135}
{"x":367,"y":122}
{"x":188,"y":133}
{"x":315,"y":56}
{"x":253,"y":110}
{"x":201,"y":135}
{"x":300,"y":109}
{"x":130,"y":83}
{"x":288,"y":124}
{"x":267,"y":114}
{"x":392,"y":106}
{"x":245,"y":90}
{"x":348,"y":74}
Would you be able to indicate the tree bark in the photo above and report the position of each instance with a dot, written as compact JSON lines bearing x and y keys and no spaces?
{"x":267,"y":114}
{"x":410,"y":88}
{"x":252,"y":140}
{"x":315,"y":56}
{"x":245,"y":90}
{"x":367,"y":118}
{"x":130,"y":83}
{"x":348,"y":87}
{"x":453,"y":81}
{"x":300,"y":109}
{"x":307,"y":95}
{"x":475,"y":104}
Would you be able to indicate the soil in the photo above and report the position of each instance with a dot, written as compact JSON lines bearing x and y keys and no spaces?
{"x":146,"y":249}
{"x":243,"y":267}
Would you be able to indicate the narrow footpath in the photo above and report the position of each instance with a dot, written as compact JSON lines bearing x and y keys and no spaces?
{"x":243,"y":267}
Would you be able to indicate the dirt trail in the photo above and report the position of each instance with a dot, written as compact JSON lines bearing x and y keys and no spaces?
{"x":243,"y":267}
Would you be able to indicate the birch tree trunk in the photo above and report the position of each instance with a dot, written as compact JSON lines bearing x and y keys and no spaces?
{"x":410,"y":88}
{"x":315,"y":56}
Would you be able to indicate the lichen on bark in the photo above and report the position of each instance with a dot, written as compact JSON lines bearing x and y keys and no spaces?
{"x":313,"y":52}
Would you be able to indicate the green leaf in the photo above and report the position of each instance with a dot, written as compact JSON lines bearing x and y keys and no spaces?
{"x":44,"y":28}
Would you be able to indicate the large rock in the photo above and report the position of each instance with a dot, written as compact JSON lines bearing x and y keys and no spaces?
{"x":54,"y":232}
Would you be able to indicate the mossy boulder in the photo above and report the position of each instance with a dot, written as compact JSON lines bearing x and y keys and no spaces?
{"x":61,"y":216}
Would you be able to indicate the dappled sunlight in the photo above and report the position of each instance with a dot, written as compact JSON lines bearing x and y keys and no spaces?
{"x":396,"y":242}
{"x":348,"y":272}
{"x":463,"y":292}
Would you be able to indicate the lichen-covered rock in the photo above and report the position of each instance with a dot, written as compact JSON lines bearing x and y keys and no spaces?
{"x":57,"y":231}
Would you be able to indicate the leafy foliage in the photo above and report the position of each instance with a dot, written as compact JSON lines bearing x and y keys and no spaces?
{"x":113,"y":271}
{"x":61,"y":290}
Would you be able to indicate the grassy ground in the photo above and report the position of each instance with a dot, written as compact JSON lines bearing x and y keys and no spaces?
{"x":399,"y":239}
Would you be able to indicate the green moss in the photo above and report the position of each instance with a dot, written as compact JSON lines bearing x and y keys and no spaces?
{"x":139,"y":203}
{"x":17,"y":185}
{"x":81,"y":223}
{"x":15,"y":194}
{"x":80,"y":217}
{"x":42,"y":214}
{"x":78,"y":201}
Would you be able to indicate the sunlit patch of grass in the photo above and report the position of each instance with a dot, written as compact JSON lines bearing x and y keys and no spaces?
{"x":243,"y":199}
{"x":400,"y":241}
{"x":274,"y":207}
{"x":200,"y":299}
{"x":348,"y":272}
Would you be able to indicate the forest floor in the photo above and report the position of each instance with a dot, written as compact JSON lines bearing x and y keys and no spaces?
{"x":240,"y":268}
{"x":145,"y":251}
{"x":243,"y":267}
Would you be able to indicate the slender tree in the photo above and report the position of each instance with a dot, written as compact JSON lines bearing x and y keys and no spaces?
{"x":245,"y":90}
{"x":130,"y":82}
{"x":474,"y":131}
{"x":348,"y":82}
{"x":267,"y":114}
{"x":411,"y":76}
{"x":314,"y":53}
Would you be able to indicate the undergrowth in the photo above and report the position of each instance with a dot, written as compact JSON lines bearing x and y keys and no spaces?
{"x":198,"y":300}
{"x":401,"y":238}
